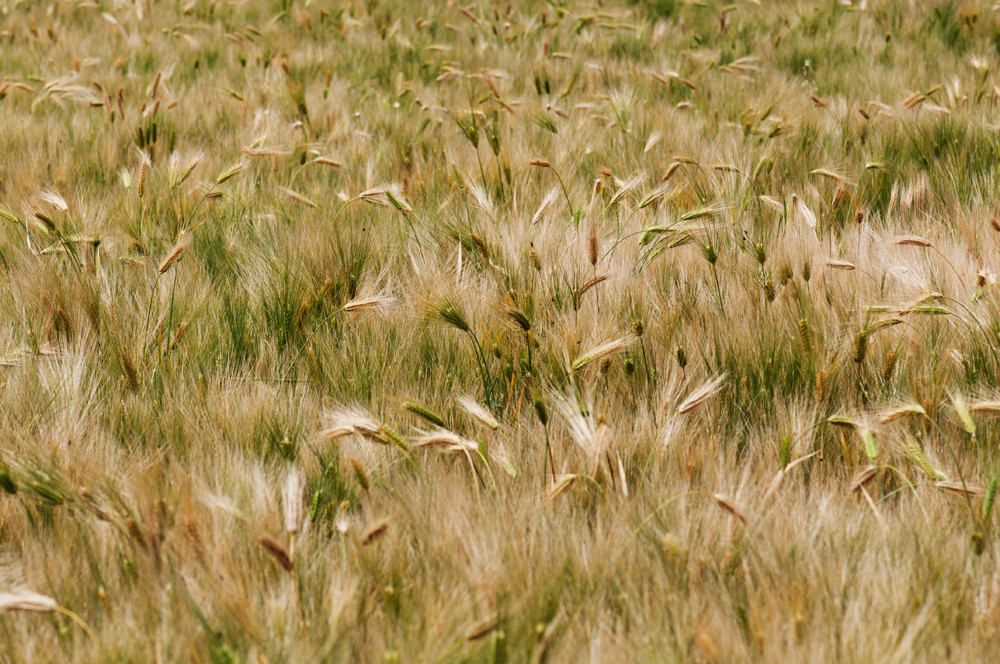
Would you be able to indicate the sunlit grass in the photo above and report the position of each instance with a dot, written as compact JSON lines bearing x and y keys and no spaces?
{"x":619,"y":331}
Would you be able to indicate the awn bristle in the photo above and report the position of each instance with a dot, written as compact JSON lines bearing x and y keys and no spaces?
{"x":559,"y":486}
{"x":449,"y":440}
{"x":901,"y":412}
{"x":802,"y":213}
{"x":600,"y":352}
{"x":369,"y":302}
{"x":478,"y":412}
{"x":346,"y":423}
{"x":701,"y":394}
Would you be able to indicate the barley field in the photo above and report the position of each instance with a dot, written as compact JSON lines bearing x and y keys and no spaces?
{"x":539,"y":331}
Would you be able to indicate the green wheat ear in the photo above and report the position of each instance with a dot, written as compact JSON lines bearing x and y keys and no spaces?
{"x":450,"y":314}
{"x":425,"y":413}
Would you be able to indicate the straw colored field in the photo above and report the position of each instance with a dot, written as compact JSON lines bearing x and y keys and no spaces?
{"x":511,"y":332}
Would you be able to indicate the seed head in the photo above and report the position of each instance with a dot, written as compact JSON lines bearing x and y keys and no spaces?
{"x":701,"y":394}
{"x":889,"y":367}
{"x":540,"y":410}
{"x":535,"y":261}
{"x":277,"y":552}
{"x":520,"y":319}
{"x":806,"y":334}
{"x":229,"y":173}
{"x":449,"y":313}
{"x":860,"y":346}
{"x":914,"y":240}
{"x":27,"y":600}
{"x":374,"y":532}
{"x":424,"y":413}
{"x":172,"y":258}
{"x":769,"y":290}
{"x":821,"y":379}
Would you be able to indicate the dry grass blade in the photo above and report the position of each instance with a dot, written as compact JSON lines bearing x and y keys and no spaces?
{"x":277,"y":552}
{"x":914,"y":240}
{"x":963,"y":414}
{"x":593,"y":281}
{"x":772,"y":203}
{"x":350,"y":422}
{"x":482,"y":628}
{"x":875,"y":510}
{"x":545,"y":205}
{"x":701,"y":394}
{"x":705,"y":211}
{"x":654,"y":195}
{"x":728,"y":505}
{"x":54,"y":199}
{"x":326,"y":161}
{"x":28,"y":601}
{"x":669,"y":173}
{"x":172,"y":258}
{"x":473,"y":408}
{"x":375,"y":531}
{"x":802,"y":213}
{"x":450,"y":440}
{"x":901,"y":412}
{"x":779,"y":476}
{"x":375,"y":196}
{"x":291,"y":193}
{"x":600,"y":352}
{"x":843,"y":421}
{"x":863,"y":477}
{"x":280,"y":269}
{"x":627,"y":188}
{"x":881,"y":325}
{"x":956,"y":486}
{"x":986,"y":407}
{"x":837,"y":177}
{"x":369,"y":302}
{"x":560,"y":486}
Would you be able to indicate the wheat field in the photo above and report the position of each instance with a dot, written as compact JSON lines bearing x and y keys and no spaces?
{"x":599,"y":331}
